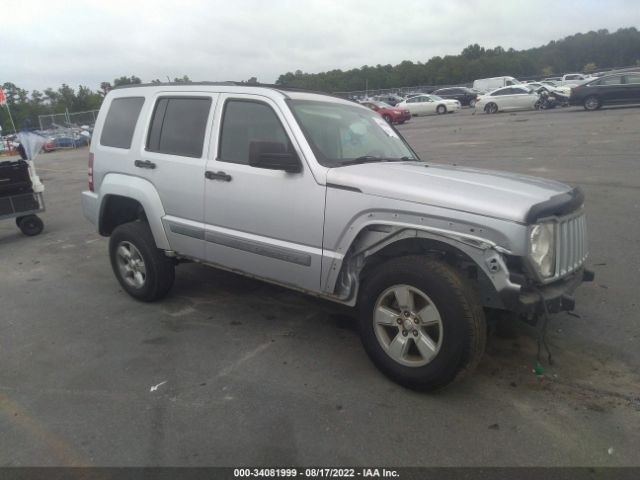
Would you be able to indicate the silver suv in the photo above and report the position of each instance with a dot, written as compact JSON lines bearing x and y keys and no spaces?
{"x":321,"y":195}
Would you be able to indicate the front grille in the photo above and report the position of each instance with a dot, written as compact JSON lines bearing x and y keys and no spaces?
{"x":572,"y":249}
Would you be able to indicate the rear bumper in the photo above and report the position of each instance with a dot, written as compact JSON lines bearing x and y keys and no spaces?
{"x":90,"y":206}
{"x":557,"y":297}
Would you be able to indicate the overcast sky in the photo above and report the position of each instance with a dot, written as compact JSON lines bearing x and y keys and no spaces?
{"x":47,"y":43}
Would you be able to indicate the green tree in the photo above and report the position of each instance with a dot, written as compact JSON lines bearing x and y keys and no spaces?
{"x":132,"y":80}
{"x":601,"y":48}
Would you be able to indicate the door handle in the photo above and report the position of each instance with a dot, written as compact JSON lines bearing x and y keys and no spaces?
{"x":217,"y":176}
{"x":144,"y":164}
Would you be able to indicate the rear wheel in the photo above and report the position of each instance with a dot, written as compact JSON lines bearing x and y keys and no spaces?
{"x":420,"y":322}
{"x":30,"y":225}
{"x":387,"y":118}
{"x":143,"y":270}
{"x":441,"y":109}
{"x":592,"y":103}
{"x":491,"y":108}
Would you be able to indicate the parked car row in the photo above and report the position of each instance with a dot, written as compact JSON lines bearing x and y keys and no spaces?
{"x":589,"y":92}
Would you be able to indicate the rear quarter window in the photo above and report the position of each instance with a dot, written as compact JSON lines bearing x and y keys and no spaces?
{"x":121,"y":122}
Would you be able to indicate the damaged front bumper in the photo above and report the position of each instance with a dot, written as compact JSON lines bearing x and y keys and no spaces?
{"x":531,"y":301}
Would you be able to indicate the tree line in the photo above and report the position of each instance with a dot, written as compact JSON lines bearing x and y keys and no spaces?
{"x":581,"y":52}
{"x":27,"y":106}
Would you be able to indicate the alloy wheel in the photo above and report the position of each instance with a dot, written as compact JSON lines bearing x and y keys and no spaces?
{"x":131,"y":264}
{"x":408,"y":325}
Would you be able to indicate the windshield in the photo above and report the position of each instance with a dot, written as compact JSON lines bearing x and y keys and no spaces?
{"x":345,"y":134}
{"x":435,"y":97}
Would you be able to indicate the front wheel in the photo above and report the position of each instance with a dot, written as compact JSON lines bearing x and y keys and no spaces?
{"x":441,"y":109}
{"x":143,"y":270}
{"x":420,"y":322}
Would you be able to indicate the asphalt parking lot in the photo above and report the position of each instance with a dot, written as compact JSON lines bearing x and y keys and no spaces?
{"x":231,"y":371}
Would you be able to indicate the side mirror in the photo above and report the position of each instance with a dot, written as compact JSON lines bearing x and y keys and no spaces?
{"x":273,"y":156}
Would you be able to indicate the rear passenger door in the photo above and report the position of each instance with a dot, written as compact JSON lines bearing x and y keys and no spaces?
{"x":503,"y":98}
{"x":172,"y":157}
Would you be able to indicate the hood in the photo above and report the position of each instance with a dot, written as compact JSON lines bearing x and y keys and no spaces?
{"x":496,"y":194}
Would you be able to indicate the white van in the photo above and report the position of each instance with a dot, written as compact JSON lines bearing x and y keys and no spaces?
{"x":486,"y":85}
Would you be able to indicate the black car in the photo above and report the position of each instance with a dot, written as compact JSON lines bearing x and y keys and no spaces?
{"x":615,"y":89}
{"x":466,"y":96}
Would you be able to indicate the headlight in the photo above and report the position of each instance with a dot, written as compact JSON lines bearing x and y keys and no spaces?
{"x":542,"y":248}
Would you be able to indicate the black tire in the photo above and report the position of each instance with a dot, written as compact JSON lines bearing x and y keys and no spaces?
{"x":491,"y":108}
{"x":30,"y":225}
{"x":462,"y":321}
{"x":441,"y":109}
{"x":401,"y":122}
{"x":159,"y":269}
{"x":592,"y":103}
{"x":387,"y":118}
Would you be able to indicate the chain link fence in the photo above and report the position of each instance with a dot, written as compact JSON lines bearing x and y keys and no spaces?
{"x":67,"y":120}
{"x":68,"y":129}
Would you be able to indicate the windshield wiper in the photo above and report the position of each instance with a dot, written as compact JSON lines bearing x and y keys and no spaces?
{"x":372,"y":159}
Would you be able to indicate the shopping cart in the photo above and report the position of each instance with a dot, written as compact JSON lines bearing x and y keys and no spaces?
{"x":21,"y":192}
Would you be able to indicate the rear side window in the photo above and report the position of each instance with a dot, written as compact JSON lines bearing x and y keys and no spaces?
{"x":245,"y":122}
{"x":611,"y":81}
{"x":633,"y":78}
{"x":178,"y":126}
{"x":121,"y":122}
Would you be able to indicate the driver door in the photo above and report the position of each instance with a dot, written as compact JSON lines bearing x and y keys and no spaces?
{"x":262,"y":222}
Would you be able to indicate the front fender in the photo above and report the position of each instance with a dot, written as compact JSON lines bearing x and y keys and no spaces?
{"x":484,"y":242}
{"x":142,"y":191}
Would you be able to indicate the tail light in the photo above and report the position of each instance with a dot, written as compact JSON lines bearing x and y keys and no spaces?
{"x":90,"y":172}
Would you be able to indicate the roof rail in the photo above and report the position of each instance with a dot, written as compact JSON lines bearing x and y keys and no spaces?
{"x":281,"y":88}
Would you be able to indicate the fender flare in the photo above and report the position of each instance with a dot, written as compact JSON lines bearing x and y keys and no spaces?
{"x":143,"y":192}
{"x":487,"y":254}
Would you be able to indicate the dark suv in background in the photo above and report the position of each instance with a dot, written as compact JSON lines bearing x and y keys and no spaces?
{"x":615,"y":89}
{"x":466,"y":96}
